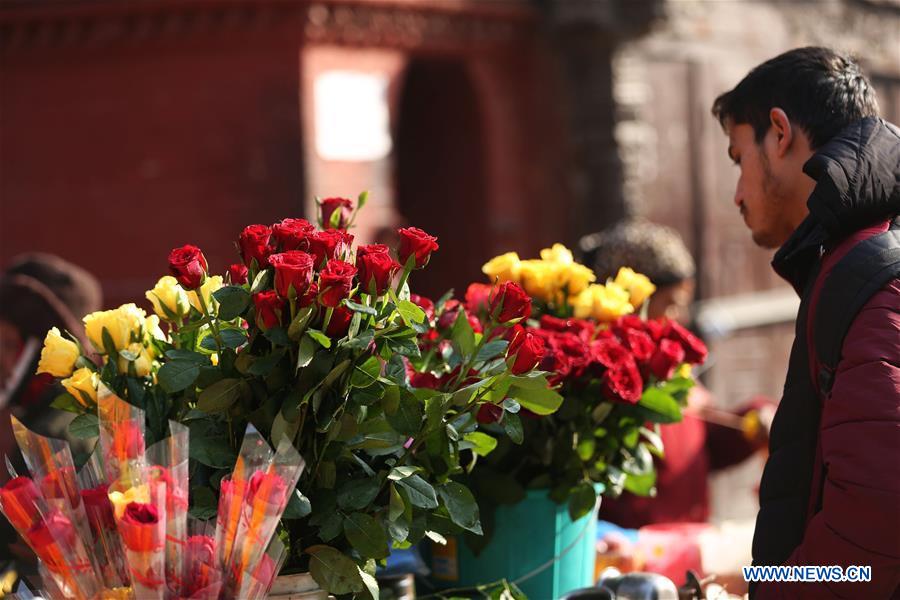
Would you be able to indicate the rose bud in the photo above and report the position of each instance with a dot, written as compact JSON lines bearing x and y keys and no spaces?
{"x":640,"y":344}
{"x":188,"y":265}
{"x":376,"y":270}
{"x":268,"y":487}
{"x":669,"y":355}
{"x":139,"y":527}
{"x":623,"y":383}
{"x":610,"y":353}
{"x":342,"y":206}
{"x":424,"y":380}
{"x":254,"y":245}
{"x":335,"y":282}
{"x":293,"y":273}
{"x":694,"y":349}
{"x":525,"y":352}
{"x":478,"y":297}
{"x":292,"y":234}
{"x":488,"y":413}
{"x":509,"y":302}
{"x":269,"y":309}
{"x":237,"y":274}
{"x":98,"y":507}
{"x":58,"y":355}
{"x":339,"y":324}
{"x":55,"y":528}
{"x":415,"y":242}
{"x":328,"y":245}
{"x":449,"y":314}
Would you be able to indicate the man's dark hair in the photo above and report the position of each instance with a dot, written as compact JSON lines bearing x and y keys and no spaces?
{"x":820,"y":90}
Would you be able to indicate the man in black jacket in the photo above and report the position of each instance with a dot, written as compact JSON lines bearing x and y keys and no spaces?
{"x":820,"y":180}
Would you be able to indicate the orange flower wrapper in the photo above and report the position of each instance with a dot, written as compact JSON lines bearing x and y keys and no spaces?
{"x":143,"y":530}
{"x":169,"y":466}
{"x":121,"y":438}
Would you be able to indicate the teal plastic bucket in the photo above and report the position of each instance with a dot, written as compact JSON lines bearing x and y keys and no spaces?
{"x":527,"y":536}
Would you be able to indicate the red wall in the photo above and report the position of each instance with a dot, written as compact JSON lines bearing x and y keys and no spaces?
{"x":112,"y":155}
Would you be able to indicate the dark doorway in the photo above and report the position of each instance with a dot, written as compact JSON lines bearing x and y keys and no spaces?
{"x":440,"y":171}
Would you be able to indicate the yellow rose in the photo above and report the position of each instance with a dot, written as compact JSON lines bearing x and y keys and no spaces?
{"x":539,"y":279}
{"x":503,"y":268}
{"x":639,"y":286}
{"x":602,"y":302}
{"x":137,"y":355}
{"x":123,"y":324}
{"x":210,"y":286}
{"x":58,"y":355}
{"x":120,"y":500}
{"x":152,"y":330}
{"x":169,"y":299}
{"x":558,"y":254}
{"x":83,"y":385}
{"x":578,"y":277}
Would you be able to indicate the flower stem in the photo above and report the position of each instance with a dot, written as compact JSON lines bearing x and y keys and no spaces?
{"x":213,"y":326}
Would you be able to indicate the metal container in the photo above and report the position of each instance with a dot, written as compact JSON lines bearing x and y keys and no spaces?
{"x":640,"y":586}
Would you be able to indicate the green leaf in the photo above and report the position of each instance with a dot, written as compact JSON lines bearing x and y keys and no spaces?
{"x":221,"y":395}
{"x":182,"y":355}
{"x":306,"y":352}
{"x":282,"y":428}
{"x":261,"y":281}
{"x":462,"y":336}
{"x":397,"y":506}
{"x":334,"y":571}
{"x":358,"y":493}
{"x":419,"y":491}
{"x":297,"y":507}
{"x":655,"y":441}
{"x":512,"y":425}
{"x":582,"y":499}
{"x":371,"y":584}
{"x":85,"y":426}
{"x":398,"y":473}
{"x":178,"y":375}
{"x":641,"y":485}
{"x":657,"y":401}
{"x":231,"y":338}
{"x":461,"y":505}
{"x":360,"y":202}
{"x":212,"y":451}
{"x":68,"y":403}
{"x":361,"y":308}
{"x":278,"y":336}
{"x":204,"y":504}
{"x":320,"y":337}
{"x":263,"y":365}
{"x":491,"y":350}
{"x":367,"y":373}
{"x":366,"y":535}
{"x":411,"y":313}
{"x":233,"y":301}
{"x":407,"y":418}
{"x":480,"y":443}
{"x":300,"y":322}
{"x":541,"y":401}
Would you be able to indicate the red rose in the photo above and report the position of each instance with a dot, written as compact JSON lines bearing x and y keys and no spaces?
{"x":424,"y":303}
{"x":694,"y":349}
{"x":202,"y":549}
{"x":254,"y":245}
{"x":237,"y":274}
{"x":269,"y":309}
{"x":488,"y":413}
{"x":376,"y":269}
{"x":623,"y":383}
{"x":669,"y":355}
{"x":339,"y":324}
{"x":335,"y":282}
{"x":424,"y":380}
{"x":327,"y":208}
{"x":655,"y":329}
{"x":449,"y":314}
{"x":415,"y":242}
{"x":640,"y":344}
{"x":552,"y":323}
{"x":525,"y":352}
{"x":292,"y":234}
{"x":328,"y":245}
{"x":188,"y":265}
{"x":509,"y":302}
{"x":293,"y":273}
{"x":310,"y":296}
{"x":21,"y":498}
{"x":268,"y":487}
{"x":140,"y":527}
{"x":54,"y":528}
{"x":610,"y":353}
{"x":474,"y":323}
{"x":478,"y":298}
{"x":98,"y":507}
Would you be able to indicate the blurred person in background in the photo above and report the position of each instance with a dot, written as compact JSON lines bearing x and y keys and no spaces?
{"x":820,"y":181}
{"x":695,"y":446}
{"x":37,"y":292}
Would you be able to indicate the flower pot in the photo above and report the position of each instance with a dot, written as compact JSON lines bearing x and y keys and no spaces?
{"x":532,"y":534}
{"x":300,"y":586}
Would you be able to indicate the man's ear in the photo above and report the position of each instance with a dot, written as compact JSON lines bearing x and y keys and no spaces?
{"x":784,"y":132}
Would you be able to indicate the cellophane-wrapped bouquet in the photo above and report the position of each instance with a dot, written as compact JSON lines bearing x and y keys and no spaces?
{"x":621,"y":376}
{"x":119,"y":528}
